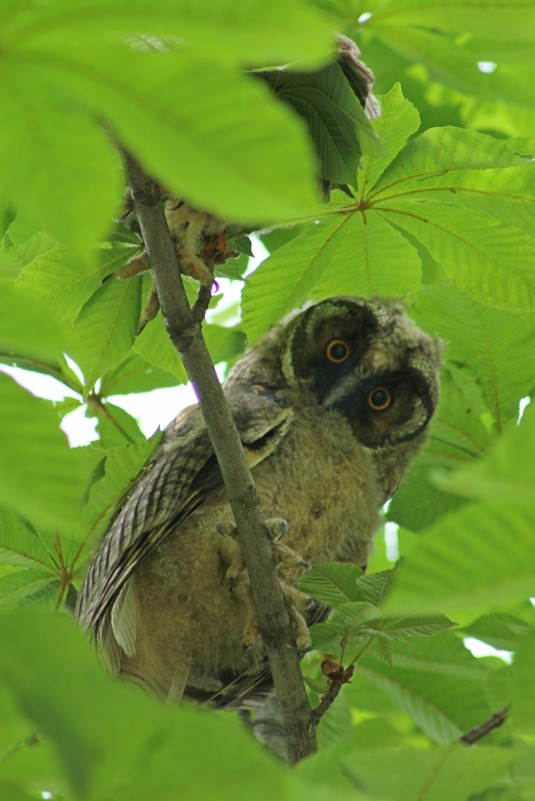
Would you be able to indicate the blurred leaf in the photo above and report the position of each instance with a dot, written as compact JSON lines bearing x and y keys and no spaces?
{"x":523,"y":706}
{"x":506,"y":474}
{"x":55,"y":162}
{"x":407,"y":774}
{"x":229,"y":34}
{"x":501,"y":630}
{"x":460,"y":563}
{"x":95,"y":758}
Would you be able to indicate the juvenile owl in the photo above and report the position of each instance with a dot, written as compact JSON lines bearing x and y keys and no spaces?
{"x":331,"y":405}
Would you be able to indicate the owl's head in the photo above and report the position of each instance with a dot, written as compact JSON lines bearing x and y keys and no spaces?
{"x":365,"y":359}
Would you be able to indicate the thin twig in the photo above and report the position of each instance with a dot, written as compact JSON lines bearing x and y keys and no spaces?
{"x":337,"y":676}
{"x":485,"y":728}
{"x":186,"y":335}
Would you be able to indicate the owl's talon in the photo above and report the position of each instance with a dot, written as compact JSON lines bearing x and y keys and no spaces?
{"x":227,"y":529}
{"x":277,"y":528}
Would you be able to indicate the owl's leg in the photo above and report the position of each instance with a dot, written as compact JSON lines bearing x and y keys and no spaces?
{"x":290,"y":568}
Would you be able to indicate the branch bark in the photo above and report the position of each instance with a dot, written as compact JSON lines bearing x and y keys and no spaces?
{"x":184,"y":328}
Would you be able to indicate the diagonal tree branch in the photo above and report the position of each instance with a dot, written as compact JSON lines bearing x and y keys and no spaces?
{"x":184,"y":328}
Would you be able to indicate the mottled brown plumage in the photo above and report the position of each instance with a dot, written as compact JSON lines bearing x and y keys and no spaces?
{"x":331,"y":407}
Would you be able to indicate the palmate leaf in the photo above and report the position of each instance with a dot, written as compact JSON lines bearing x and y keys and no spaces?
{"x":354,"y":253}
{"x":424,"y":190}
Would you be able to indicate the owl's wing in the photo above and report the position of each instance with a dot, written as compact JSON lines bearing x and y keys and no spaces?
{"x":181,"y":476}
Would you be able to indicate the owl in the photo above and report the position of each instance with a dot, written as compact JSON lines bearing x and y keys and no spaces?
{"x":332,"y":405}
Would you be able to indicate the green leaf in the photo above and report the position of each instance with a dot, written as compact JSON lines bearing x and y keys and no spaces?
{"x":105,"y":328}
{"x":495,"y":346}
{"x":460,"y":562}
{"x":55,"y":162}
{"x":434,"y":680}
{"x":115,"y":426}
{"x":374,"y":587}
{"x":382,"y":261}
{"x":35,"y":460}
{"x":252,"y":33}
{"x":398,"y":121}
{"x":501,"y":630}
{"x":155,"y":347}
{"x":24,"y":587}
{"x":57,"y":277}
{"x":27,"y":328}
{"x":427,"y":190}
{"x":225,"y":145}
{"x":505,"y":475}
{"x":523,"y":706}
{"x":405,"y":627}
{"x":407,"y":774}
{"x":332,"y":583}
{"x":20,"y":544}
{"x":115,"y":474}
{"x":224,"y":344}
{"x":134,"y":374}
{"x":314,"y":264}
{"x":334,"y":116}
{"x":95,"y":759}
{"x":347,"y":627}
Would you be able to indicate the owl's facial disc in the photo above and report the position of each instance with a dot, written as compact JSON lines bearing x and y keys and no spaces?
{"x":367,"y":361}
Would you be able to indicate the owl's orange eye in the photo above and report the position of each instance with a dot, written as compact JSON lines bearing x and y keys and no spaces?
{"x":379,"y":399}
{"x":337,"y":350}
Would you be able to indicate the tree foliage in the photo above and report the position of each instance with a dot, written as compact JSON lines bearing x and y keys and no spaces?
{"x":442,"y":218}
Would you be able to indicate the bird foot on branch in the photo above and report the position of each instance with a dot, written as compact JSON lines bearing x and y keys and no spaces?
{"x":290,"y":568}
